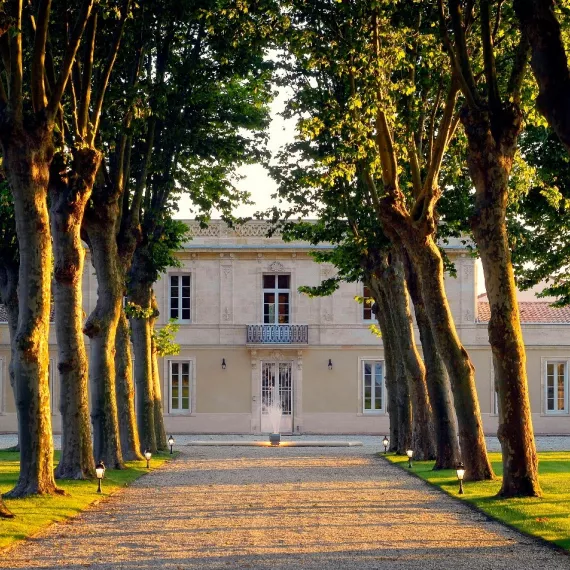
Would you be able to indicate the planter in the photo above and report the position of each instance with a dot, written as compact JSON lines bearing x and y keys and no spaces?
{"x":274,"y":438}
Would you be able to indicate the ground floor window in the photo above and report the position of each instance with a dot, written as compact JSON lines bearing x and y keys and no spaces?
{"x":556,"y":387}
{"x":180,"y":379}
{"x":374,"y":394}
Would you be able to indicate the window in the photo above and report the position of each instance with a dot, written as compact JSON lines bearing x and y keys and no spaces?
{"x":179,"y":382}
{"x":367,"y":304}
{"x":276,"y":296}
{"x":556,"y":396}
{"x":373,"y":386}
{"x":51,"y":376}
{"x":180,"y":297}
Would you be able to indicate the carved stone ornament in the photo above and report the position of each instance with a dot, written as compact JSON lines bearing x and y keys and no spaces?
{"x":299,"y":360}
{"x":327,"y":316}
{"x":227,"y":270}
{"x":227,"y":314}
{"x":276,"y":266}
{"x":276,"y":355}
{"x":254,"y":358}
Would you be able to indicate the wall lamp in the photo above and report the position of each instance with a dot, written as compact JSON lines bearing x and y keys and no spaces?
{"x":330,"y":364}
{"x":223,"y":363}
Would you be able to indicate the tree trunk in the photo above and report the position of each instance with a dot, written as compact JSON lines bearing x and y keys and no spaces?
{"x":427,"y":262}
{"x":27,"y":157}
{"x":140,"y":308}
{"x":403,"y":400}
{"x":391,"y":377}
{"x":130,"y":443}
{"x":9,"y":298}
{"x":159,"y":429}
{"x":394,"y":289}
{"x":69,"y":196}
{"x":101,"y":328}
{"x":549,"y":62}
{"x":490,"y":164}
{"x":439,"y":388}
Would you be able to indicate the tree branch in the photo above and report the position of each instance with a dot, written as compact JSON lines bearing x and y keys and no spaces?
{"x":493,"y":94}
{"x":519,"y":67}
{"x":16,"y":71}
{"x":96,"y":116}
{"x":69,"y":58}
{"x":85,"y":94}
{"x":39,"y":55}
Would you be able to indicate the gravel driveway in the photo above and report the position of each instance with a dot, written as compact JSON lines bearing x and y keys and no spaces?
{"x":288,"y":508}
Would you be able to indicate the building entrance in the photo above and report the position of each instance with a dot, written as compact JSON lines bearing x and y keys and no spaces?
{"x":277,"y":390}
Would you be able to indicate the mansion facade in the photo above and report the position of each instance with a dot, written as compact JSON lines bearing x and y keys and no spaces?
{"x":248,"y":337}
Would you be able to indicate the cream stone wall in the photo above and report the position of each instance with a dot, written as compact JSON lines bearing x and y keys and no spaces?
{"x":226,"y":268}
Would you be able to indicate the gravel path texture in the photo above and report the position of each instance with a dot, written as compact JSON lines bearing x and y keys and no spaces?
{"x":281,"y":509}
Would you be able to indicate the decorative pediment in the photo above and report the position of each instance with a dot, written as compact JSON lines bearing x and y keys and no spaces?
{"x":276,"y":266}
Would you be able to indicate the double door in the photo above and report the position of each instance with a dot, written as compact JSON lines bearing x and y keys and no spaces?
{"x":276,"y":392}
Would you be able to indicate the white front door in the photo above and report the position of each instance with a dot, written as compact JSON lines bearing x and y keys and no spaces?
{"x":276,"y":394}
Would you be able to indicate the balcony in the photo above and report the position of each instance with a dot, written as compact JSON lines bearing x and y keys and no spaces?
{"x":277,"y":334}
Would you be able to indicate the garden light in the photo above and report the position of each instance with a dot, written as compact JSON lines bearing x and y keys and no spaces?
{"x":460,"y":475}
{"x":147,"y":456}
{"x":100,"y":472}
{"x":171,"y":443}
{"x":410,"y":454}
{"x":385,"y":443}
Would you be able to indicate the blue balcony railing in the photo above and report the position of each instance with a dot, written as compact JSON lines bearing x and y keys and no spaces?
{"x":277,"y":334}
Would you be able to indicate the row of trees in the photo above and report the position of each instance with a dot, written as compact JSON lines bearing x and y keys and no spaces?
{"x":111,"y":109}
{"x":109,"y":112}
{"x":410,"y":118}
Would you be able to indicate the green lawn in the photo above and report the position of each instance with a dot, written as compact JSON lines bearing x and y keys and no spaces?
{"x":35,"y":513}
{"x":547,"y":517}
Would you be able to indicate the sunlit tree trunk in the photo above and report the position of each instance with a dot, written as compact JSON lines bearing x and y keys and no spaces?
{"x":69,"y":194}
{"x":490,"y":163}
{"x":159,"y":429}
{"x":140,"y":302}
{"x":27,"y":157}
{"x":101,"y":326}
{"x":392,"y":287}
{"x":439,"y":388}
{"x":130,"y":443}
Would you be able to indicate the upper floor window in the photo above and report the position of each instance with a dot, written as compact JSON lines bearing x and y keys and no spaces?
{"x":276,"y":299}
{"x":373,"y":386}
{"x":179,"y":294}
{"x":366,"y":304}
{"x":556,"y":397}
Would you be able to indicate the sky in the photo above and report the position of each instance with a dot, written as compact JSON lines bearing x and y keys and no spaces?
{"x":256,"y":179}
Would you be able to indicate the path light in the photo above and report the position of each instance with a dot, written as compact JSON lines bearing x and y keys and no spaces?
{"x":385,"y":443}
{"x":100,"y":472}
{"x":460,"y":475}
{"x":410,"y":454}
{"x":330,"y":364}
{"x":223,"y":363}
{"x":171,"y":443}
{"x":147,"y":456}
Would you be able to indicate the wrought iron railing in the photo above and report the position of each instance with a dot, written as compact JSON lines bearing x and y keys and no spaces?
{"x":277,"y":334}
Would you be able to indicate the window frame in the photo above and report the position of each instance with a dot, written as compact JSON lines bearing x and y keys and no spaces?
{"x":191,"y":386}
{"x":276,"y":290}
{"x":366,"y":306}
{"x":546,"y":411}
{"x":363,"y":411}
{"x":180,"y":274}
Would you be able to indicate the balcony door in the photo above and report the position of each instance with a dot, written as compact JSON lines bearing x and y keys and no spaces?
{"x":276,"y":392}
{"x":276,"y":299}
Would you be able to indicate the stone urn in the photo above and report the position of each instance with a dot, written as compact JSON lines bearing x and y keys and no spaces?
{"x":274,"y":438}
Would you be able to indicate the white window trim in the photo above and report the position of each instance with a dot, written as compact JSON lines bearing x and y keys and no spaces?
{"x":52,"y":391}
{"x":494,"y":409}
{"x":276,"y":290}
{"x":544,"y":362}
{"x":361,"y":306}
{"x":2,"y":384}
{"x":192,"y":403}
{"x":192,"y":296}
{"x":371,"y":413}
